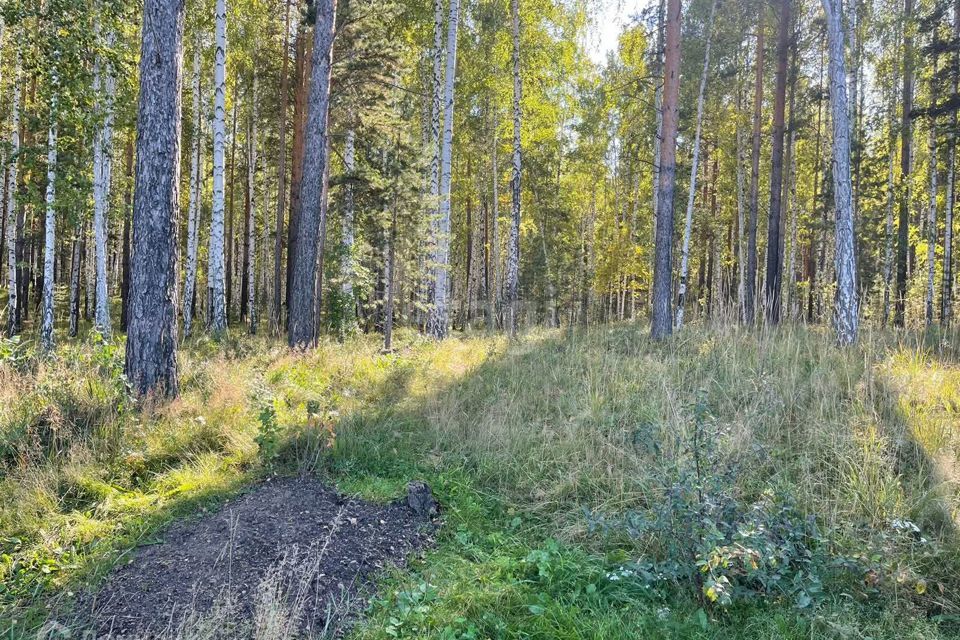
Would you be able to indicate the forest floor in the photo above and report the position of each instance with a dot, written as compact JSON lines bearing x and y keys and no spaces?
{"x":724,"y":484}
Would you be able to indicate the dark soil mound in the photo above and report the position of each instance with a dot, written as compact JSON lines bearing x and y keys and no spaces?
{"x":289,"y":558}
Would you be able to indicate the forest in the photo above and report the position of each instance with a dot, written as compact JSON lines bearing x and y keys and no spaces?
{"x":470,"y":319}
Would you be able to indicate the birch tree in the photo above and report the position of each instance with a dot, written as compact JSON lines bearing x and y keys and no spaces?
{"x":687,"y":229}
{"x":513,"y":249}
{"x":104,"y":85}
{"x":13,"y":308}
{"x":250,"y":249}
{"x":847,"y":315}
{"x":193,"y":216}
{"x":50,"y":224}
{"x":750,"y":284}
{"x":439,"y":317}
{"x":216,"y":276}
{"x":346,"y":261}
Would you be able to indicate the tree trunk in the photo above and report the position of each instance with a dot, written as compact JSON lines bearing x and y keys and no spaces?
{"x":50,"y":226}
{"x":906,"y":138}
{"x":193,"y":221}
{"x":127,"y":213}
{"x":13,"y":229}
{"x":750,"y":285}
{"x":932,"y":211}
{"x":281,"y":178}
{"x":847,"y":316}
{"x":348,"y":306}
{"x":774,"y":240}
{"x":104,"y":84}
{"x":946,"y":303}
{"x":439,"y":319}
{"x":250,"y":247}
{"x":302,"y":73}
{"x":303,"y":312}
{"x":216,"y":276}
{"x":75,"y":259}
{"x":662,"y":321}
{"x":151,"y":363}
{"x":688,"y":226}
{"x":657,"y":73}
{"x":513,"y":249}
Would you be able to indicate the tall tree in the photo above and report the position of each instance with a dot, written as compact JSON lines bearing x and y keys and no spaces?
{"x":50,"y":223}
{"x":847,"y":315}
{"x":151,"y":361}
{"x":216,"y":277}
{"x":513,"y":248}
{"x":662,"y":320}
{"x":303,"y":294}
{"x":13,"y":307}
{"x":281,"y":175}
{"x":691,"y":197}
{"x":750,"y":284}
{"x":774,"y":240}
{"x":439,"y":318}
{"x":193,"y":215}
{"x":906,"y":159}
{"x":104,"y":84}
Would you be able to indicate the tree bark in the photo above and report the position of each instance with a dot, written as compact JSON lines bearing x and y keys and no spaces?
{"x":250,"y":248}
{"x":662,"y":321}
{"x":932,"y":210}
{"x":281,"y":177}
{"x":847,"y":315}
{"x":216,"y":276}
{"x":104,"y":84}
{"x":439,"y":319}
{"x":513,"y":249}
{"x":688,"y":225}
{"x":127,"y":213}
{"x":303,"y":312}
{"x":773,"y":280}
{"x":193,"y":218}
{"x":13,"y":228}
{"x":946,"y":301}
{"x":50,"y":225}
{"x":151,"y":362}
{"x":906,"y":138}
{"x":750,"y":285}
{"x":348,"y":306}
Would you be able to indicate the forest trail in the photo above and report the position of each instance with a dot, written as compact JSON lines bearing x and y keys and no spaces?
{"x":292,"y":556}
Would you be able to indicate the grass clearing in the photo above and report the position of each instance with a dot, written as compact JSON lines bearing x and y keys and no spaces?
{"x":723,"y":485}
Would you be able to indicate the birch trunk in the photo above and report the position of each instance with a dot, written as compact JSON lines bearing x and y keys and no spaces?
{"x":847,"y":316}
{"x":750,"y":285}
{"x":75,"y":258}
{"x":303,"y":294}
{"x":250,"y":248}
{"x":436,"y":114}
{"x":513,"y":249}
{"x":439,"y":319}
{"x":104,"y":83}
{"x":662,"y":321}
{"x":217,"y":268}
{"x":50,"y":227}
{"x":151,"y":360}
{"x":13,"y":308}
{"x":194,"y":207}
{"x":688,"y":226}
{"x":493,"y":287}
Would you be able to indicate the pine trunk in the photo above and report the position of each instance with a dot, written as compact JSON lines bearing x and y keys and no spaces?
{"x":774,"y":276}
{"x":151,"y":362}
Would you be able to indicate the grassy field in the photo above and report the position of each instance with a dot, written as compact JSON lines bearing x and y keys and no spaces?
{"x":725,"y":484}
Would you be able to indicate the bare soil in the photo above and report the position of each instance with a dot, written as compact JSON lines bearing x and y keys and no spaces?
{"x":291,"y":558}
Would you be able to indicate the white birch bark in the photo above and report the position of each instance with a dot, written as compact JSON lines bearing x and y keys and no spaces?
{"x":436,"y":113}
{"x":847,"y":315}
{"x":437,"y":323}
{"x":217,"y":268}
{"x":104,"y":84}
{"x":691,"y":197}
{"x":50,"y":228}
{"x":513,"y":251}
{"x":193,"y":215}
{"x":251,"y":219}
{"x":13,"y":325}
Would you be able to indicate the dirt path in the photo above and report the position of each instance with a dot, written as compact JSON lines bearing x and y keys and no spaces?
{"x":291,"y":557}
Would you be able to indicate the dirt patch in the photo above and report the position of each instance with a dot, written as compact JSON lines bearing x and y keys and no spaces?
{"x":292,"y":557}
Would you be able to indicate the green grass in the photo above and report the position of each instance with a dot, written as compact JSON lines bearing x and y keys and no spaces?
{"x":528,"y":446}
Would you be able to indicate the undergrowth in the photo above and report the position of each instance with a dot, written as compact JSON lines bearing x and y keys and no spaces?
{"x":726,"y":484}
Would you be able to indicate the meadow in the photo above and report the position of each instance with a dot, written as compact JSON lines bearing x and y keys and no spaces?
{"x":594,"y":484}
